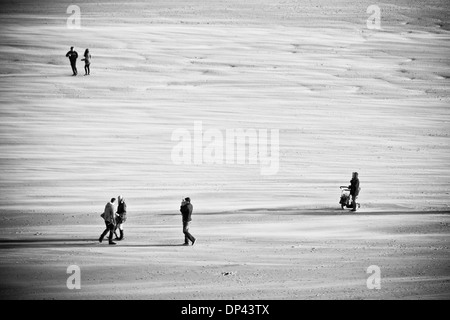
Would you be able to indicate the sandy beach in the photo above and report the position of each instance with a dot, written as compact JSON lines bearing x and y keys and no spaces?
{"x":343,"y":98}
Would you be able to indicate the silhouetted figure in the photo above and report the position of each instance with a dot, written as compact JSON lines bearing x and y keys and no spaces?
{"x":87,"y":63}
{"x":186,"y":212}
{"x":110,"y":221}
{"x":354,"y":189}
{"x":121,"y":217}
{"x":73,"y":56}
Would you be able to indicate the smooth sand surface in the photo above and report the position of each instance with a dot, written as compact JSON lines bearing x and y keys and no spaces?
{"x":344,"y":98}
{"x":264,"y":255}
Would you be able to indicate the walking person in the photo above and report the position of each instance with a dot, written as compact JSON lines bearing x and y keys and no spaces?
{"x":73,"y":56}
{"x":87,"y":62}
{"x":354,"y":189}
{"x":121,"y":217}
{"x":110,"y":221}
{"x":186,"y":212}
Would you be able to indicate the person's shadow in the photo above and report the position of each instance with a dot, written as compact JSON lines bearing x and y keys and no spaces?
{"x":149,"y":245}
{"x":67,"y":243}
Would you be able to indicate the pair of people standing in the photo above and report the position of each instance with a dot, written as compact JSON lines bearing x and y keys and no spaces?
{"x":73,"y":56}
{"x":112,"y":221}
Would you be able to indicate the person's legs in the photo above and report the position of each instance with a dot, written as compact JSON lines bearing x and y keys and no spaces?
{"x":121,"y":230}
{"x":187,"y":235}
{"x":104,"y":232}
{"x":74,"y":68}
{"x":89,"y":69}
{"x":353,"y":202}
{"x":185,"y":225}
{"x":118,"y":222}
{"x":111,"y":232}
{"x":85,"y":70}
{"x":115,"y":233}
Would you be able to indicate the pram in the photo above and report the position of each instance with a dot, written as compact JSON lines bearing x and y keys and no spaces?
{"x":345,"y":200}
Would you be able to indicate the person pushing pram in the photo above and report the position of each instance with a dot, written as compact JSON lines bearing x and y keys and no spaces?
{"x":350,"y":192}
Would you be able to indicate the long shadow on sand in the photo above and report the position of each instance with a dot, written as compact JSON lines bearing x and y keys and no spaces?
{"x":67,"y":243}
{"x":331,"y":212}
{"x":44,"y":243}
{"x":149,"y":245}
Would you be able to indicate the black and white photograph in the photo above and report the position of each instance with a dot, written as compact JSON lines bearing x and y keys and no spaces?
{"x":224,"y":150}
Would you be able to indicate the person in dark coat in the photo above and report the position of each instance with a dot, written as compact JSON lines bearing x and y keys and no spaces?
{"x":110,"y":221}
{"x":186,"y":212}
{"x":121,"y":217}
{"x":354,"y":189}
{"x":73,"y":56}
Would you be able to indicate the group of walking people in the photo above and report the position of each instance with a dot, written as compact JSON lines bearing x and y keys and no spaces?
{"x":114,"y":221}
{"x":73,"y":56}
